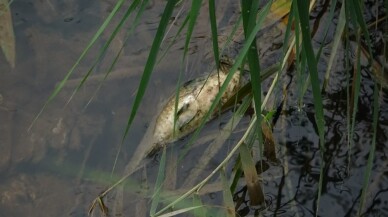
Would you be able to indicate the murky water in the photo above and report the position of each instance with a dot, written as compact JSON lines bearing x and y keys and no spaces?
{"x":65,"y":161}
{"x":48,"y":171}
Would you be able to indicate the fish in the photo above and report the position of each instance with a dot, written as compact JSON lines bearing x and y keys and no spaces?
{"x":194,"y":101}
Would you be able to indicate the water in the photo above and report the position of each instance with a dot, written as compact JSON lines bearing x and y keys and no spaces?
{"x":65,"y":161}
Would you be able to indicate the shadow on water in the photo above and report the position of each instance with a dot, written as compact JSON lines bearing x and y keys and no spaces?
{"x":66,"y":160}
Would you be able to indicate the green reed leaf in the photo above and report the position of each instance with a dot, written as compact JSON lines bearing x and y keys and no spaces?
{"x":307,"y":47}
{"x":159,"y":183}
{"x":213,"y":26}
{"x":150,"y":64}
{"x":249,"y":9}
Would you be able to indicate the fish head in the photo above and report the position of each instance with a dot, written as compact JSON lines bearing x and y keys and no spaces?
{"x":166,"y":130}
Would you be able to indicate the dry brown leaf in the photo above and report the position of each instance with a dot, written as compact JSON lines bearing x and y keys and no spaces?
{"x":7,"y":37}
{"x":279,"y":9}
{"x":269,"y":142}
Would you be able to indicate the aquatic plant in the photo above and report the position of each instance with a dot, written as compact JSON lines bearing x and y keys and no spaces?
{"x":298,"y":51}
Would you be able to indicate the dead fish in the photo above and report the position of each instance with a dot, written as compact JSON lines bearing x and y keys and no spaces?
{"x":194,"y":101}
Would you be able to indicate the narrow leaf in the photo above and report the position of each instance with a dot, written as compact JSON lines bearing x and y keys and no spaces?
{"x":159,"y":183}
{"x":227,"y":196}
{"x":150,"y":64}
{"x":303,"y":11}
{"x":61,"y":84}
{"x":368,"y":169}
{"x":213,"y":26}
{"x":255,"y":192}
{"x":7,"y":37}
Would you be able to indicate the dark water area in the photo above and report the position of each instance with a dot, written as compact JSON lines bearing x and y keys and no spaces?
{"x":66,"y":159}
{"x":294,"y":191}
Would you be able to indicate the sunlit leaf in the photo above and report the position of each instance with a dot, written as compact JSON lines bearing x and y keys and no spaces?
{"x":279,"y":9}
{"x":180,"y":211}
{"x":7,"y":37}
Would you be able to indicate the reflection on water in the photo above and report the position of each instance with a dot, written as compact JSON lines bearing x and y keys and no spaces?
{"x":58,"y":167}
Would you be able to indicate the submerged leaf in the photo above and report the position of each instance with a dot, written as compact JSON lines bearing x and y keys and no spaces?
{"x":227,"y":196}
{"x":255,"y":191}
{"x":7,"y":37}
